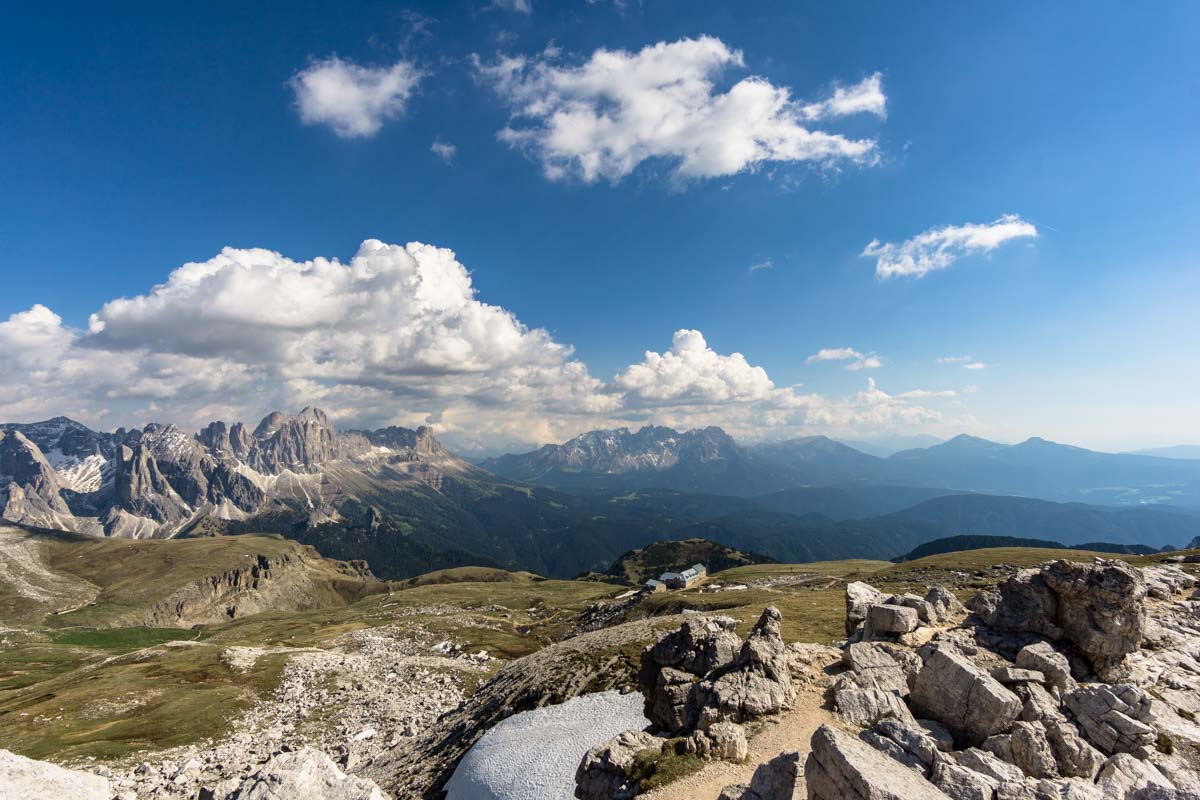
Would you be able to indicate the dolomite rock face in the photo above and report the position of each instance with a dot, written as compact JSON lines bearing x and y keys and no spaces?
{"x":1099,"y":608}
{"x":158,"y":480}
{"x":28,"y":779}
{"x":30,"y":489}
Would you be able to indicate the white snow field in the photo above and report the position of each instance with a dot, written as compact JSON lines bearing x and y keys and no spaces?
{"x":533,"y":755}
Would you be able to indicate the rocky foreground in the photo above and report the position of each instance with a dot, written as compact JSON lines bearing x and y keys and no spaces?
{"x":1073,"y":681}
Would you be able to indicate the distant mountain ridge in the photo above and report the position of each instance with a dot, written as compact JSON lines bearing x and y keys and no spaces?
{"x":1182,"y":451}
{"x":708,"y":460}
{"x":700,"y":460}
{"x":157,"y":481}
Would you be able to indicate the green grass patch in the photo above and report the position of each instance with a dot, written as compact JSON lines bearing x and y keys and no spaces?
{"x":653,"y":767}
{"x":121,"y":640}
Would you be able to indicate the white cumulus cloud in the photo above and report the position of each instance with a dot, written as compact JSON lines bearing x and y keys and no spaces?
{"x":351,"y":99}
{"x":938,"y":248}
{"x":394,"y":335}
{"x":600,"y":119}
{"x":692,"y":372}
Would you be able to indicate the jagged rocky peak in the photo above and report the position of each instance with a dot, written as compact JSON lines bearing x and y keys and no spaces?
{"x":158,"y":480}
{"x":300,"y":443}
{"x":651,"y":447}
{"x":30,"y":490}
{"x":62,"y":438}
{"x":421,"y":441}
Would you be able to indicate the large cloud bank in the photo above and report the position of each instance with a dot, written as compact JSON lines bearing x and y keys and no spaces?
{"x":395,"y":335}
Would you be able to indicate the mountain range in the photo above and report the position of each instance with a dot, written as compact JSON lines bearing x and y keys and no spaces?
{"x":400,"y":500}
{"x":710,"y":460}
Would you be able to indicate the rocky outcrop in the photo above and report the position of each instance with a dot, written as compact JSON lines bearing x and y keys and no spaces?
{"x":700,"y":683}
{"x":873,"y":615}
{"x":292,"y":581}
{"x":1026,"y":728}
{"x":960,"y":695}
{"x":1099,"y":608}
{"x":605,"y":772}
{"x":27,"y":779}
{"x":758,"y":681}
{"x":305,"y":773}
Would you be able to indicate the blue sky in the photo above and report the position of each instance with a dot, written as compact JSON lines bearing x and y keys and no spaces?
{"x":131,"y":145}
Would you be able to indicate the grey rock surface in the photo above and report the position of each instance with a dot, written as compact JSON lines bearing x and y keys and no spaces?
{"x":954,"y":691}
{"x":841,"y":766}
{"x":27,"y":779}
{"x":305,"y":773}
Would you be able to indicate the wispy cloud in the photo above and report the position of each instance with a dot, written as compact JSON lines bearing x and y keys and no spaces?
{"x":857,"y":360}
{"x":444,"y":150}
{"x":601,"y":119}
{"x":766,"y":263}
{"x":354,"y":101}
{"x":967,"y":362}
{"x":938,"y":248}
{"x":866,"y":97}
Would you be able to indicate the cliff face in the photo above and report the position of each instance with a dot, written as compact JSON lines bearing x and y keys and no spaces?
{"x":30,"y":489}
{"x":159,"y":480}
{"x":296,"y":581}
{"x":52,"y":578}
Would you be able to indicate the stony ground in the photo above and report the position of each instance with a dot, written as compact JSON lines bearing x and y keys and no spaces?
{"x":371,"y":690}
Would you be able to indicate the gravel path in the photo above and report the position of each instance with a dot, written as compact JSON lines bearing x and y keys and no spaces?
{"x":792,"y":731}
{"x":533,"y":755}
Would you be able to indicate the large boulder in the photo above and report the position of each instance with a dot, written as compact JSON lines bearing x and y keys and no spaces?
{"x":888,"y":620}
{"x":865,"y":707}
{"x":859,"y":599}
{"x":1122,"y":775}
{"x":303,"y":773}
{"x":1097,"y":607}
{"x":954,"y":691}
{"x":843,"y":767}
{"x":605,"y":771}
{"x":27,"y":779}
{"x":872,"y":666}
{"x":758,"y":682}
{"x":1031,"y":750}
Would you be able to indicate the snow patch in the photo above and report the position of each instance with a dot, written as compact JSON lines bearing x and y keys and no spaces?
{"x":533,"y":755}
